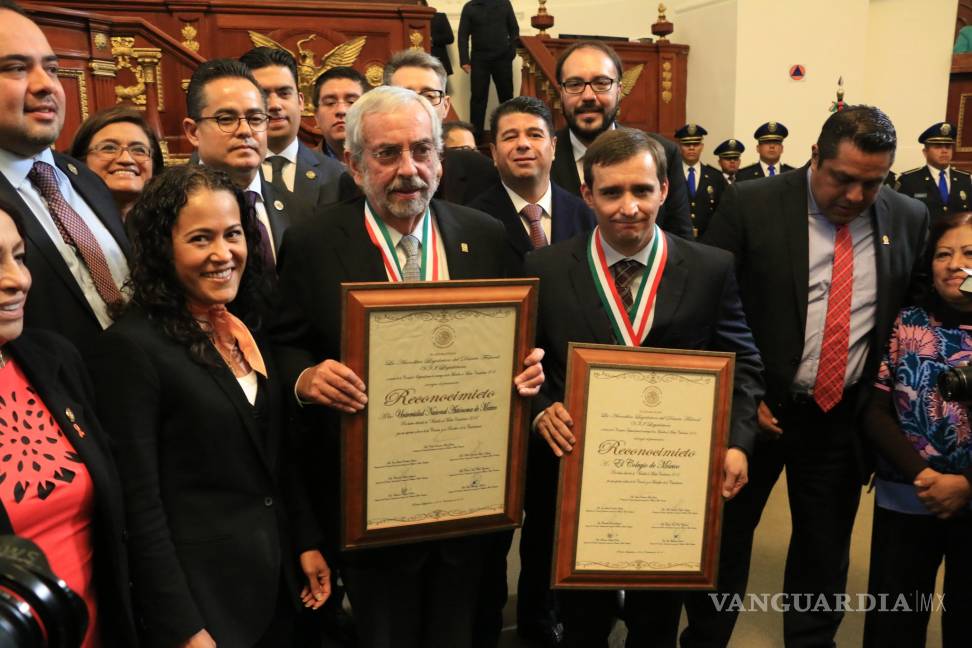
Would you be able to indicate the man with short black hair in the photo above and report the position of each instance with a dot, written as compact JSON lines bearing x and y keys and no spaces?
{"x":589,"y":285}
{"x":76,"y":248}
{"x":824,"y":256}
{"x":301,"y":177}
{"x":335,"y":91}
{"x":589,"y":74}
{"x":458,"y":136}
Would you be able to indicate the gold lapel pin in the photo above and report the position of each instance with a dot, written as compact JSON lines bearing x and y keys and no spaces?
{"x":885,"y":240}
{"x":69,"y":414}
{"x":73,"y":169}
{"x":464,"y":247}
{"x":277,"y":205}
{"x":962,"y":194}
{"x":310,"y":175}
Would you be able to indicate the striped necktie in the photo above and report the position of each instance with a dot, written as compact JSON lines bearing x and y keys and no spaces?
{"x":413,"y":267}
{"x":534,"y":215}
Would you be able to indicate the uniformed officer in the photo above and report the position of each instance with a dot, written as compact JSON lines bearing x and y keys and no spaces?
{"x":705,"y":183}
{"x":728,"y":153}
{"x":769,"y":145}
{"x":938,"y":184}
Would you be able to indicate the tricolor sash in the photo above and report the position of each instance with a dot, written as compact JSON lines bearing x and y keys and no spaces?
{"x":630,"y":326}
{"x":378,"y":233}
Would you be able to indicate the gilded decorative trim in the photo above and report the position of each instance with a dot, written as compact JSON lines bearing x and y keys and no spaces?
{"x":960,"y":136}
{"x":375,"y":73}
{"x":415,"y":38}
{"x":189,"y":34}
{"x":82,"y":87}
{"x":666,"y":82}
{"x":100,"y":41}
{"x":103,"y":68}
{"x":147,"y":69}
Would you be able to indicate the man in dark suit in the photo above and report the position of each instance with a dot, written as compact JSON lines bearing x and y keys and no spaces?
{"x":705,"y":183}
{"x":728,"y":153}
{"x":465,"y":174}
{"x":696,"y":306}
{"x":589,"y":74}
{"x":769,"y":145}
{"x":76,"y":248}
{"x":421,"y":594}
{"x":494,"y":31}
{"x":535,"y":212}
{"x":824,"y":257}
{"x":301,"y":177}
{"x":938,"y":184}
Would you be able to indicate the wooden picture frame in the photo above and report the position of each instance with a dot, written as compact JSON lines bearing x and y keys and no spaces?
{"x":440,"y":449}
{"x":639,"y":504}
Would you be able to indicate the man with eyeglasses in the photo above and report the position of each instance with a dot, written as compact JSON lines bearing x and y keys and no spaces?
{"x":465,"y":174}
{"x":227,"y":124}
{"x":76,"y":248}
{"x":335,"y":91}
{"x":589,"y":74}
{"x":300,"y":176}
{"x":418,"y":595}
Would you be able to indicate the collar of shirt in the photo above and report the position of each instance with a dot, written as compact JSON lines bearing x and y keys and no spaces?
{"x":290,"y":153}
{"x":15,"y":168}
{"x":812,"y":207}
{"x":579,"y":147}
{"x":698,"y":169}
{"x":776,"y":167}
{"x":936,"y":172}
{"x":612,"y":256}
{"x":545,"y":202}
{"x":417,"y":231}
{"x":256,"y":185}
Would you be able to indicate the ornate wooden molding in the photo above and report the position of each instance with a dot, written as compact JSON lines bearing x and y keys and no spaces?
{"x":82,"y":80}
{"x":103,"y":68}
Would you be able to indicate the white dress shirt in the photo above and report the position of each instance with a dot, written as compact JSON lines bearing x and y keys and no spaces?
{"x":935,"y":173}
{"x":776,"y":168}
{"x":15,"y":168}
{"x":546,"y":204}
{"x":256,"y":186}
{"x":580,"y":149}
{"x":289,"y":170}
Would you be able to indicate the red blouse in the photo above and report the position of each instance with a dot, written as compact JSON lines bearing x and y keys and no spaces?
{"x":46,"y":489}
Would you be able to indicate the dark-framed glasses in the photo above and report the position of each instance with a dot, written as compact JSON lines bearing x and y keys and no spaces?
{"x":111,"y":150}
{"x":435,"y":97}
{"x":419,"y":152}
{"x":231,"y":123}
{"x":599,"y":85}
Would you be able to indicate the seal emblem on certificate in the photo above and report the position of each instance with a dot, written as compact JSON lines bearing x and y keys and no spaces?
{"x":440,"y":448}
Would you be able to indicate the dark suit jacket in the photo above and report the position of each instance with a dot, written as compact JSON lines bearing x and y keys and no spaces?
{"x":319,"y":255}
{"x":918,"y":184}
{"x":56,"y":301}
{"x":708,"y":191}
{"x":674,"y":213}
{"x":697,"y":307}
{"x":465,"y":175}
{"x":764,"y":224}
{"x":316,"y":181}
{"x":56,"y":372}
{"x":441,"y":33}
{"x":570,"y":216}
{"x":754,"y":171}
{"x":206,"y":484}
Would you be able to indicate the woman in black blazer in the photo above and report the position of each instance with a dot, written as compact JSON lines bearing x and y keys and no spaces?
{"x":217,"y":519}
{"x":58,"y":483}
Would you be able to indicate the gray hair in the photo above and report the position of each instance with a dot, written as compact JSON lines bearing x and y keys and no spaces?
{"x":415,"y":58}
{"x":383,"y":101}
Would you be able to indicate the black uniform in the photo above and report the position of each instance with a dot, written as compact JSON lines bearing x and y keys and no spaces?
{"x":754,"y":171}
{"x":493,"y":28}
{"x":919,"y":183}
{"x":707,"y":194}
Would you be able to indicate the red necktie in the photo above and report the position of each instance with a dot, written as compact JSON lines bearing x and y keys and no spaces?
{"x":75,"y":231}
{"x":829,"y":388}
{"x":533,"y":214}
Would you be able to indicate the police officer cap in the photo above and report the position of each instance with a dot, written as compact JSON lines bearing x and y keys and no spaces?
{"x":771,"y":132}
{"x":940,"y":133}
{"x":690,"y":134}
{"x":731,"y":148}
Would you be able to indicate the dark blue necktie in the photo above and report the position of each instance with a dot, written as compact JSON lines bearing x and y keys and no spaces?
{"x":771,"y":169}
{"x":691,"y":181}
{"x":943,"y":186}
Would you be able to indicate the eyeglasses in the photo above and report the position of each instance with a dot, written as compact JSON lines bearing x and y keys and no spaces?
{"x":600,"y":85}
{"x":462,"y":147}
{"x":111,"y":150}
{"x":331,"y":102}
{"x":231,"y":123}
{"x":434,"y":96}
{"x":419,"y":152}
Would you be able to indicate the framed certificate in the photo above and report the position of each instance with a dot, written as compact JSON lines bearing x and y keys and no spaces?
{"x":640,"y":502}
{"x":440,"y":448}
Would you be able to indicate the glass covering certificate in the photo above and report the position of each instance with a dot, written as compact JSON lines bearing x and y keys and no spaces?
{"x":642,"y":504}
{"x":440,"y":390}
{"x":639,"y":504}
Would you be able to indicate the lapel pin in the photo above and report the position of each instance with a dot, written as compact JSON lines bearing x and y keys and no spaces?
{"x":710,"y":189}
{"x":278,"y":205}
{"x":885,"y":240}
{"x":77,"y":428}
{"x":962,"y":194}
{"x":310,"y":175}
{"x":69,"y":414}
{"x":73,"y":169}
{"x":464,"y":247}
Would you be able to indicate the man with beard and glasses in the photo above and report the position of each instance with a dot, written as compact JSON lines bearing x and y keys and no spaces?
{"x":76,"y":248}
{"x":421,"y":594}
{"x":589,"y":74}
{"x":301,"y":177}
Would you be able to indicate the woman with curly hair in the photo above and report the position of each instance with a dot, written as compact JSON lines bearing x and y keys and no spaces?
{"x":191,"y":398}
{"x":922,"y":511}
